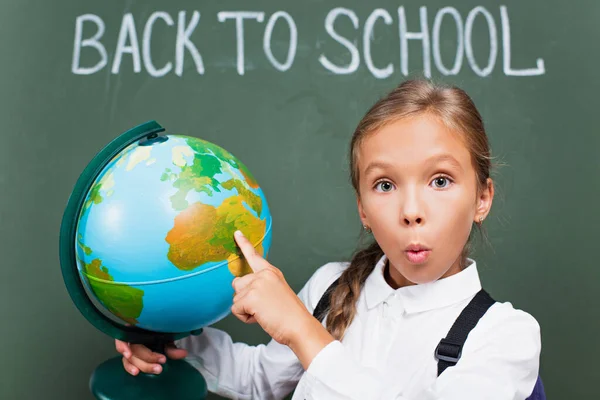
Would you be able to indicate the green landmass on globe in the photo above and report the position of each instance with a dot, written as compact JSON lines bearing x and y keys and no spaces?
{"x":122,"y":300}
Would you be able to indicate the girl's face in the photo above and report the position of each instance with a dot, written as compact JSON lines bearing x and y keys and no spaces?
{"x":418,"y":194}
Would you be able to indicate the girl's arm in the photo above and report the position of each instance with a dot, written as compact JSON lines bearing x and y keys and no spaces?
{"x":241,"y":371}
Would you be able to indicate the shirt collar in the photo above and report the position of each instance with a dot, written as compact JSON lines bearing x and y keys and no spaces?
{"x":427,"y":296}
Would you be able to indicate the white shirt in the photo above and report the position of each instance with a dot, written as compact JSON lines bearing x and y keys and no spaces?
{"x":388,"y":350}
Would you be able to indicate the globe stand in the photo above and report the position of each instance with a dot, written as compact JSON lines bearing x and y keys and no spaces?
{"x":110,"y":381}
{"x":178,"y":380}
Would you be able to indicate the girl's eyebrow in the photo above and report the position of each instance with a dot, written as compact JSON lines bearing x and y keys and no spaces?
{"x":376,"y":165}
{"x":437,"y":158}
{"x":444,"y":157}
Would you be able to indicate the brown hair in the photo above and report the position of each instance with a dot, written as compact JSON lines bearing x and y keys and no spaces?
{"x":413,"y":97}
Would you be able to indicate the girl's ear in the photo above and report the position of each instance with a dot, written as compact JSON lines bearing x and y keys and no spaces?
{"x":361,"y":213}
{"x":484,"y":201}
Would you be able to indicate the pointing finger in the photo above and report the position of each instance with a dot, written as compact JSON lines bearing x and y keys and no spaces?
{"x":256,"y":262}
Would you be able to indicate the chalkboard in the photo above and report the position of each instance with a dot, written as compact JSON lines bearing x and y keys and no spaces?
{"x":282,"y":85}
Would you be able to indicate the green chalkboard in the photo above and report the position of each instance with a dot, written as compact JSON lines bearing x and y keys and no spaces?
{"x":282,"y":85}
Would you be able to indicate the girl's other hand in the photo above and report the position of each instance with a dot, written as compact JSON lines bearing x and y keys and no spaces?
{"x":137,"y":357}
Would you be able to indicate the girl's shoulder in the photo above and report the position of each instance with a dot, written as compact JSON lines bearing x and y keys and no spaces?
{"x":505,"y":312}
{"x":320,"y":280}
{"x":509,"y":328}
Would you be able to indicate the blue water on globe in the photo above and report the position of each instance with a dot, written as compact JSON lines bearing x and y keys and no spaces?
{"x":155,"y":240}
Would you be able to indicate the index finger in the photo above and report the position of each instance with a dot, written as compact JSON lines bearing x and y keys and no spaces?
{"x":256,"y":262}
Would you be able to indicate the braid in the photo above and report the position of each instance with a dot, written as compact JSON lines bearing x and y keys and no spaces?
{"x":342,"y":307}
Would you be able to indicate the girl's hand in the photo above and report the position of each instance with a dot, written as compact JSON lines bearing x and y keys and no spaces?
{"x":265,"y":297}
{"x":137,"y":357}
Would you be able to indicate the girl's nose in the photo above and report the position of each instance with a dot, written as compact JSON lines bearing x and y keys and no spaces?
{"x":412,"y":209}
{"x":408,"y":221}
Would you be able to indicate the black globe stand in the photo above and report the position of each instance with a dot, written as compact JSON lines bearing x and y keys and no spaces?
{"x":109,"y":381}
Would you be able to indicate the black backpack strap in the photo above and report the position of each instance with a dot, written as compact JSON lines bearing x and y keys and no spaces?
{"x":323,"y":304}
{"x":449,"y":349}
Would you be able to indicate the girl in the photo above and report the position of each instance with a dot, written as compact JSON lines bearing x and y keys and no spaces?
{"x":420,"y":167}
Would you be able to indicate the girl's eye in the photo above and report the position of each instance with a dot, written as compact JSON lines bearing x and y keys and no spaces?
{"x":384,"y":186}
{"x":441,"y":182}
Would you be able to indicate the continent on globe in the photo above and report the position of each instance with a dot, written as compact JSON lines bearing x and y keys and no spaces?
{"x":208,"y":161}
{"x":123,"y":301}
{"x":194,"y":243}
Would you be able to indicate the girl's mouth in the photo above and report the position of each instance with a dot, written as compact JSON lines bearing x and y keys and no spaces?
{"x":417,"y":256}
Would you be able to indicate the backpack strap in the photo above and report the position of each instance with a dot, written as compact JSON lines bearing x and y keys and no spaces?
{"x":323,"y":304}
{"x":449,"y":350}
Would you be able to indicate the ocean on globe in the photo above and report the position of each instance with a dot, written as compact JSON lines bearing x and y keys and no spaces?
{"x":154,"y":241}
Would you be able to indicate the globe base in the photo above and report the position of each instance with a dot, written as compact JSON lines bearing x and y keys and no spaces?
{"x":178,"y":380}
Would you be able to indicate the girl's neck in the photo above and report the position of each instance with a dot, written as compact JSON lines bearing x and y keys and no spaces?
{"x":399,"y":280}
{"x":397,"y":283}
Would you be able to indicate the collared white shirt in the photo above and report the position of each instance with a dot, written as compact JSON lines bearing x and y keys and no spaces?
{"x":388,"y":350}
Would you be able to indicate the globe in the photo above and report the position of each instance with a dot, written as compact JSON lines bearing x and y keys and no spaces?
{"x":147,"y":248}
{"x":155,"y":235}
